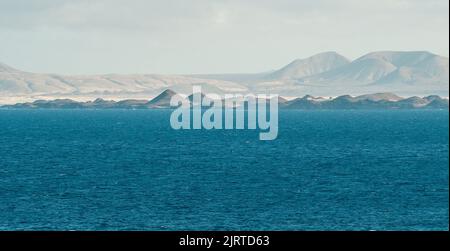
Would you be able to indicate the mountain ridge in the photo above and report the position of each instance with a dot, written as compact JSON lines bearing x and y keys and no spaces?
{"x":307,"y":102}
{"x":313,"y":65}
{"x":378,"y":67}
{"x":406,"y":73}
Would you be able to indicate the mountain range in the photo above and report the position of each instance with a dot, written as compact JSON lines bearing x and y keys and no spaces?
{"x":308,"y":102}
{"x":411,"y":73}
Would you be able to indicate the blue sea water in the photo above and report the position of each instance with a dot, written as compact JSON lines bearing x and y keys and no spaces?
{"x":128,"y":170}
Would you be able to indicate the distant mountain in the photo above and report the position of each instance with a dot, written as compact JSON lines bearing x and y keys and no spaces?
{"x":371,"y":101}
{"x":344,"y":102}
{"x":404,"y":72}
{"x":380,"y":96}
{"x":15,"y":83}
{"x":7,"y":69}
{"x":415,"y":73}
{"x":162,"y":100}
{"x":437,"y":102}
{"x":316,"y":64}
{"x":307,"y":102}
{"x":407,"y":73}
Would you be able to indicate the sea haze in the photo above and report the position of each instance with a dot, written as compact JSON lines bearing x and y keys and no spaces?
{"x":128,"y":170}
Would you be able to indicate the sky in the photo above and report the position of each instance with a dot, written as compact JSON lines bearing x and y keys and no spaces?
{"x":209,"y":36}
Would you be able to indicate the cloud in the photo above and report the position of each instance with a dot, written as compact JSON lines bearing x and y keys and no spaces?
{"x":151,"y":14}
{"x":210,"y":35}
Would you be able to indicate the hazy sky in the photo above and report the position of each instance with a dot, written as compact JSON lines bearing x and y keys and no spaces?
{"x":209,"y":36}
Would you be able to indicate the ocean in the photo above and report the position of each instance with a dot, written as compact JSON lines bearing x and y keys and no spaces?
{"x":129,"y":170}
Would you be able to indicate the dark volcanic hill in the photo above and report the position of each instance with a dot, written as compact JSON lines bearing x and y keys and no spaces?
{"x":308,"y":102}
